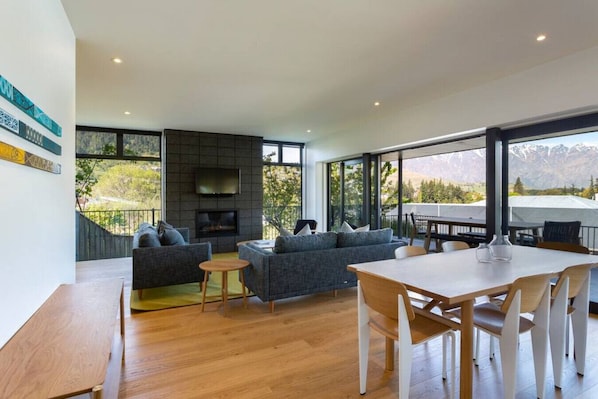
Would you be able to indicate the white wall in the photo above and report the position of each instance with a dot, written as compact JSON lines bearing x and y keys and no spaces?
{"x":37,"y":238}
{"x":565,"y":85}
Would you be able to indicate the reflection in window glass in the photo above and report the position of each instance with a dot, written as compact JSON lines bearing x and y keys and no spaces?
{"x":353,"y":192}
{"x":141,"y":145}
{"x":95,"y":143}
{"x":270,"y":153}
{"x":291,"y":154}
{"x":334,"y":213}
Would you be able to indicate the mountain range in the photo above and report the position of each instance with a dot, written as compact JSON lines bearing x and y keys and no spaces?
{"x":538,"y":166}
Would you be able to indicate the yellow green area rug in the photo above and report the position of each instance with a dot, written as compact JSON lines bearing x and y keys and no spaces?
{"x":188,"y":294}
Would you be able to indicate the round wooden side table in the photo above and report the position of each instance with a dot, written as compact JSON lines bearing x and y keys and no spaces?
{"x":224,"y":266}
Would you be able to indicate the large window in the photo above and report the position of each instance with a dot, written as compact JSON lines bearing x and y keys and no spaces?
{"x":117,"y":169}
{"x":346,"y":182}
{"x":282,"y":180}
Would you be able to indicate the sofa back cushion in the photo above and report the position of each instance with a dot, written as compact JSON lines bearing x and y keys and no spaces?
{"x":361,"y":238}
{"x":312,"y":242}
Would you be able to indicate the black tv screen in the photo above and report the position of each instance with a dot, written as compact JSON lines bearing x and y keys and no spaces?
{"x":218,"y":181}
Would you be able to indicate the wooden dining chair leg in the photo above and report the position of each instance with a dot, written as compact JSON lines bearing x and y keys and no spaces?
{"x":390,"y":354}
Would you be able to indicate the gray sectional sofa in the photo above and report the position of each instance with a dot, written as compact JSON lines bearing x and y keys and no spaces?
{"x":300,"y":265}
{"x":163,"y":256}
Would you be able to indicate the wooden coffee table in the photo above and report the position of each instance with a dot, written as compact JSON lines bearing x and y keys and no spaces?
{"x":224,"y":266}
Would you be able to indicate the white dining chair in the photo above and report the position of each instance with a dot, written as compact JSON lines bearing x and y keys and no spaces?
{"x":396,"y":319}
{"x":449,"y":246}
{"x":573,"y":284}
{"x":527,"y":295}
{"x":407,"y":251}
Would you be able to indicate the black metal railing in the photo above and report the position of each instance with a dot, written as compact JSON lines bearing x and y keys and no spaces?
{"x":287,"y":216}
{"x":109,"y":234}
{"x":588,"y":234}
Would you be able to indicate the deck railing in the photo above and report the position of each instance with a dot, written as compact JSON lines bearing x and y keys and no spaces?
{"x":588,"y":234}
{"x":108,"y":234}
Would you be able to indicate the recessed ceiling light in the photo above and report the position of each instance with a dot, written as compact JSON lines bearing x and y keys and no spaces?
{"x":127,"y":113}
{"x":376,"y":104}
{"x":541,"y":38}
{"x":308,"y":130}
{"x":117,"y":60}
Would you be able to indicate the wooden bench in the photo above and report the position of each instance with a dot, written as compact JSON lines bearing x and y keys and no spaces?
{"x":70,"y":346}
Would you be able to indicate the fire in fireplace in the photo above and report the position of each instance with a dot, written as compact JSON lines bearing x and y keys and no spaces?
{"x":216,"y":222}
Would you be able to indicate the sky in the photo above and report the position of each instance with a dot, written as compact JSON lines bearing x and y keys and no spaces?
{"x":585,"y":138}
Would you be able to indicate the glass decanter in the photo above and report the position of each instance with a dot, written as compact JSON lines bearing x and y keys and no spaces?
{"x":501,"y":248}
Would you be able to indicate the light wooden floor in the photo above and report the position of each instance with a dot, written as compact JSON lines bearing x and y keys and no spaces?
{"x":306,"y":349}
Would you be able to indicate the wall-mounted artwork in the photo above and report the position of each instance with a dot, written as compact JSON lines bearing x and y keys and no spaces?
{"x":18,"y":155}
{"x":21,"y":129}
{"x":14,"y":95}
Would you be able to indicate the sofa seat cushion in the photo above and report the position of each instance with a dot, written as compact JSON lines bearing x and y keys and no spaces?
{"x":148,"y":236}
{"x":361,"y":238}
{"x":312,"y":242}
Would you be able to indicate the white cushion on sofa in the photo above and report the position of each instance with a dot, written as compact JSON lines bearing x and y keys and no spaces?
{"x":305,"y":231}
{"x":346,"y":228}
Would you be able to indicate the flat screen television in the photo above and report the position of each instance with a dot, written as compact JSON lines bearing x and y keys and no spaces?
{"x":218,"y":181}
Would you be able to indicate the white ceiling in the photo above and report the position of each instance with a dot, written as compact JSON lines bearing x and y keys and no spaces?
{"x":276,"y":68}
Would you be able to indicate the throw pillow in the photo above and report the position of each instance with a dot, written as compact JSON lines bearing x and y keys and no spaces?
{"x":172,"y":237}
{"x":363,"y":228}
{"x":148,"y":237}
{"x":346,"y":228}
{"x":284,"y":232}
{"x":162,"y":225}
{"x":305,"y":231}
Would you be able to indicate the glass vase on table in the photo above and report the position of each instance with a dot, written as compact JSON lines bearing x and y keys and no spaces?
{"x":482,"y":253}
{"x":501,"y":248}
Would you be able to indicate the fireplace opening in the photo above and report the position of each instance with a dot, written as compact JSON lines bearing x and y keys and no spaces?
{"x":216,"y":222}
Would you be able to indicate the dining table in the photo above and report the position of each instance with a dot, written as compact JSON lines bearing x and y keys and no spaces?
{"x":457,"y":278}
{"x":435,"y":221}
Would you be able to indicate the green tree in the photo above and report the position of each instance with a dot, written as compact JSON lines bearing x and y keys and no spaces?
{"x":85,"y":177}
{"x":282,"y":193}
{"x":389,"y":190}
{"x":131,"y":184}
{"x":435,"y":191}
{"x":409,"y":193}
{"x":590,"y":191}
{"x":518,"y":187}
